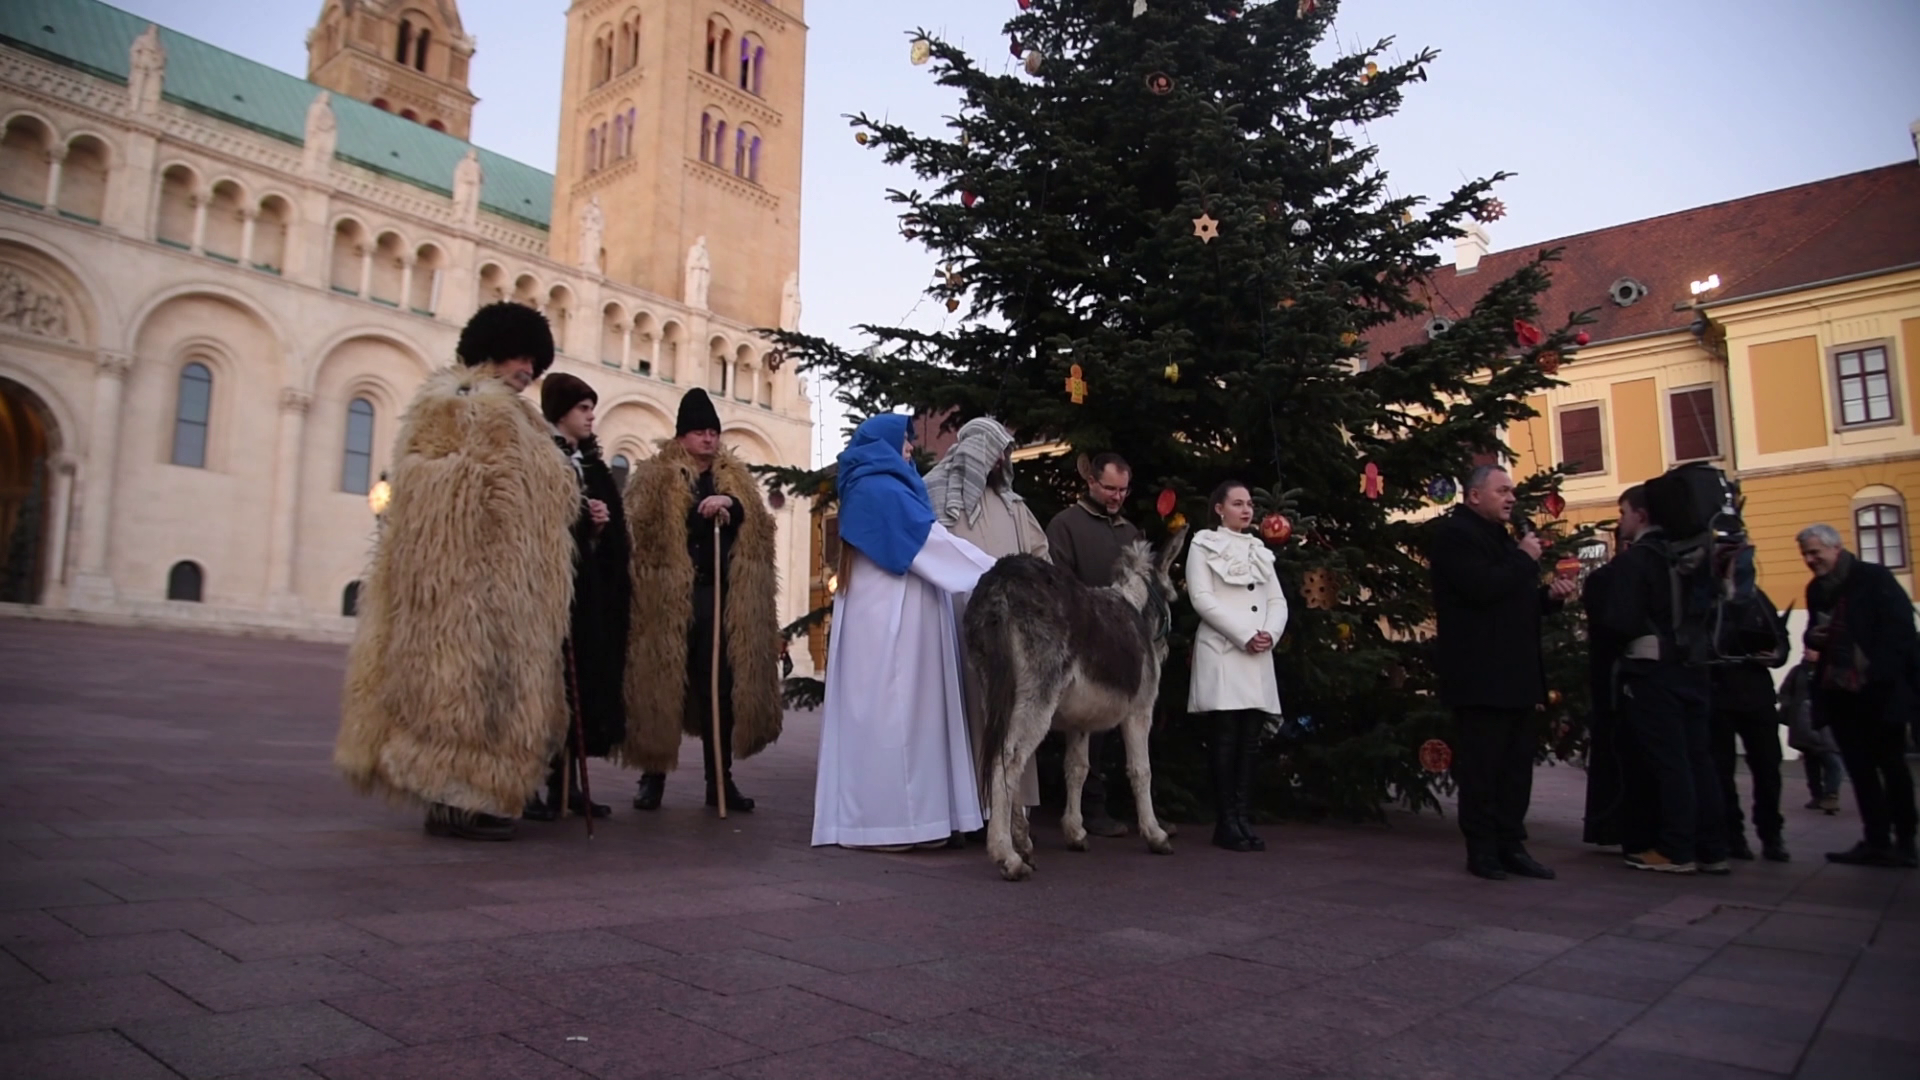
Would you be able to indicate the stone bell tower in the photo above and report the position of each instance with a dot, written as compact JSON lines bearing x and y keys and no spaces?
{"x":409,"y":57}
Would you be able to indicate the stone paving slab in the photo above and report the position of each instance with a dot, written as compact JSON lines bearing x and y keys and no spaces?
{"x":188,"y":890}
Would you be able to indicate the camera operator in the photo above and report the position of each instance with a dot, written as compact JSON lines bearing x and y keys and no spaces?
{"x":1664,"y":700}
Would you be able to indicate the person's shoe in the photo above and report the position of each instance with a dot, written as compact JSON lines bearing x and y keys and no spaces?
{"x":1907,"y":854}
{"x":736,"y":802}
{"x":537,"y":810}
{"x":1226,"y":835}
{"x":1717,"y":869}
{"x":653,"y":786}
{"x":578,"y":806}
{"x":1774,"y":849}
{"x":1486,"y":867}
{"x":1737,"y":848}
{"x":1519,"y":862}
{"x":1815,"y":803}
{"x":1101,"y":823}
{"x":1658,"y":863}
{"x":1830,"y":803}
{"x":1864,"y":854}
{"x":444,"y":820}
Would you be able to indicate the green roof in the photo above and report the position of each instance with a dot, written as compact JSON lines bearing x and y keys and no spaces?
{"x":97,"y":38}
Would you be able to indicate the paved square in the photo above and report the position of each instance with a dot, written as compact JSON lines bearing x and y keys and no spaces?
{"x":188,"y":890}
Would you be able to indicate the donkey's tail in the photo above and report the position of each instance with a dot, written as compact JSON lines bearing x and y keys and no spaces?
{"x":990,"y":654}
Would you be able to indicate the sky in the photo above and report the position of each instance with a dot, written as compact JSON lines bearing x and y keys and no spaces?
{"x":1605,"y":112}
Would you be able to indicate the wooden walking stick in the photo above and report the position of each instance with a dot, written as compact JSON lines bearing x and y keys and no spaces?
{"x":579,"y":744}
{"x":719,"y":768}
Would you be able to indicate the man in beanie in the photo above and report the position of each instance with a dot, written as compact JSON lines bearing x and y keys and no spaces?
{"x":674,"y":502}
{"x":601,"y":590}
{"x":455,"y":692}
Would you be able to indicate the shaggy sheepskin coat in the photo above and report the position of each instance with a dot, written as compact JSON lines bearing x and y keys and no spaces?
{"x":659,"y":501}
{"x":455,"y":690}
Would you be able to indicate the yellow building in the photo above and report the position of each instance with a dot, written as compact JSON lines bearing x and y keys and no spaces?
{"x":1776,"y":336}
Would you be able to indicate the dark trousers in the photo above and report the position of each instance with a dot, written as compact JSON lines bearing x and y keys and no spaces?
{"x":1824,"y":773}
{"x":1493,"y":766}
{"x":1664,"y":709}
{"x":1759,"y":732}
{"x":1602,"y":822}
{"x":699,"y":702}
{"x":1875,"y":749}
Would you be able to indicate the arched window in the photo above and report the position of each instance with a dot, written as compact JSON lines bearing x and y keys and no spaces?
{"x":706,"y":136}
{"x":185,"y":581}
{"x":593,"y":148}
{"x":626,"y":149}
{"x":713,"y":47}
{"x":619,"y":466}
{"x":753,"y":160}
{"x":191,"y":416}
{"x":356,"y":466}
{"x":606,"y":147}
{"x":720,"y":143}
{"x":350,"y":600}
{"x":619,"y":135}
{"x":382,"y":104}
{"x":436,"y":125}
{"x":752,"y":56}
{"x":1880,"y":535}
{"x":409,"y":114}
{"x":406,"y":41}
{"x":420,"y":50}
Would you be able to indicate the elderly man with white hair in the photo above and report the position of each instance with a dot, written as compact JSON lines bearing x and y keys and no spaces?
{"x":973,"y":496}
{"x":1866,"y":687}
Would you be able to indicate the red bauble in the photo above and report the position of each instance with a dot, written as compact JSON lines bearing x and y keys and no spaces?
{"x":1549,"y":362}
{"x":1554,"y":504}
{"x":1582,"y":338}
{"x":1276,"y":529}
{"x":1025,"y":4}
{"x":1436,"y":756}
{"x":968,"y":198}
{"x":1166,"y":502}
{"x":1013,"y":47}
{"x":1526,"y":333}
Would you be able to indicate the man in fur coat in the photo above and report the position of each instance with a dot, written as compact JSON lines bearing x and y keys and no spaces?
{"x":455,"y":692}
{"x":602,"y":591}
{"x":674,"y":501}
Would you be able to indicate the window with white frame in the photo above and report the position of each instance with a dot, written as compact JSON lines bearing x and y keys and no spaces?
{"x":1863,"y":382}
{"x":1880,"y":534}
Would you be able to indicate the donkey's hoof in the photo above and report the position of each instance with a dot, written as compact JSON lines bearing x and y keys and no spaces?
{"x":1162,"y":846}
{"x":1015,"y":870}
{"x":1077,"y":843}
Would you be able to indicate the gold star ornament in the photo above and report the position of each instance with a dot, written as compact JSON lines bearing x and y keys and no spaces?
{"x":1206,"y":228}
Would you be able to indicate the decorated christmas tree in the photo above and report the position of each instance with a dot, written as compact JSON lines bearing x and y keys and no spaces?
{"x":1162,"y":231}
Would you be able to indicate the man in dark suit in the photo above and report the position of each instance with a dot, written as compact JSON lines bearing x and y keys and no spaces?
{"x":1861,"y":621}
{"x":1488,"y":603}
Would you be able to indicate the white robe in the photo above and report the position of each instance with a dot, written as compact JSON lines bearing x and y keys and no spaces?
{"x":896,"y":763}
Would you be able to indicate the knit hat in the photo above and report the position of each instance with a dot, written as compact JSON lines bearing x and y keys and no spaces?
{"x":503,"y":331}
{"x":560,"y":392}
{"x":696,"y":413}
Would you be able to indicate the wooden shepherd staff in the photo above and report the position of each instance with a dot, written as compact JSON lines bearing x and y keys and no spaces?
{"x":579,"y":744}
{"x":719,"y":770}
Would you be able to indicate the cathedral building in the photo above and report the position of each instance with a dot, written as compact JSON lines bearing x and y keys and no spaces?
{"x":220,"y":284}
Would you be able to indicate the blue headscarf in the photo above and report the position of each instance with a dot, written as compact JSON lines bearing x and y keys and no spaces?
{"x":884,"y":509}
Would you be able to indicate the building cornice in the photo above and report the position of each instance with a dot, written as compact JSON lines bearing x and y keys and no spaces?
{"x":735,"y":98}
{"x":714,"y":176}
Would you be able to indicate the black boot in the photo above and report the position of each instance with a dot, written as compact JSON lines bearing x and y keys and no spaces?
{"x":653,"y":785}
{"x":1774,"y":849}
{"x":1224,"y":762}
{"x":1246,"y":759}
{"x":444,"y":820}
{"x":1738,"y":848}
{"x":736,"y":802}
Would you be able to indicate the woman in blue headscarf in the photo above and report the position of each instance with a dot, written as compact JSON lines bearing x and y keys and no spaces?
{"x":896,"y":768}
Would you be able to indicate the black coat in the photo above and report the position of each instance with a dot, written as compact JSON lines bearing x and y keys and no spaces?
{"x":1877,"y":616}
{"x":602,"y":595}
{"x":1487,"y":603}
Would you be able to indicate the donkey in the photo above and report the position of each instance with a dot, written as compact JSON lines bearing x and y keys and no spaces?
{"x":1051,"y":652}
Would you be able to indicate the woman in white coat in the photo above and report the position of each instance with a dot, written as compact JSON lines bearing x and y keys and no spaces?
{"x":1233,"y":585}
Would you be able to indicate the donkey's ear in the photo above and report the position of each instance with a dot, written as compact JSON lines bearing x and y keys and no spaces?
{"x":1171,"y":551}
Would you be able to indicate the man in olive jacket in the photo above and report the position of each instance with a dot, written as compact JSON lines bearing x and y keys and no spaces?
{"x":1488,"y":603}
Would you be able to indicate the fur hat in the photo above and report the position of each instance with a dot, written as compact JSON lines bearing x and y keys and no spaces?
{"x":504,"y":331}
{"x":560,"y":392}
{"x":696,"y":413}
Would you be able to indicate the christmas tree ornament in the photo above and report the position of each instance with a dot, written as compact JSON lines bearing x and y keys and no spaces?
{"x":1372,"y":485}
{"x":1436,"y":756}
{"x":1167,"y":502}
{"x":921,"y":52}
{"x":1025,"y":4}
{"x":1176,"y":522}
{"x":777,"y":501}
{"x":1527,"y":334}
{"x":1139,"y":8}
{"x":1348,"y":338}
{"x":1206,"y":228}
{"x":1582,"y":338}
{"x":1442,"y":489}
{"x":1307,"y":7}
{"x":1343,"y":631}
{"x":968,"y":198}
{"x":1372,"y":72}
{"x":1076,"y":385}
{"x":1013,"y":47}
{"x":1406,"y":217}
{"x":1276,"y":529}
{"x":1033,"y":62}
{"x":1487,"y":211}
{"x":1555,"y":697}
{"x":1301,"y":228}
{"x":952,"y":304}
{"x":1172,"y":373}
{"x":1549,"y":362}
{"x":1553,"y":504}
{"x":1286,"y":302}
{"x":1567,"y":568}
{"x":860,"y":137}
{"x":1160,"y":83}
{"x":1318,"y":588}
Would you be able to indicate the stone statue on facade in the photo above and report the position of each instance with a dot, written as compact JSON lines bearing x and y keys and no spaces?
{"x":790,"y":302}
{"x":593,"y":228}
{"x":323,"y":134}
{"x":699,"y":274}
{"x":146,"y":71}
{"x":466,"y":188}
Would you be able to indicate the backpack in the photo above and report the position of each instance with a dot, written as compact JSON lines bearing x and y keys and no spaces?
{"x":1719,"y":616}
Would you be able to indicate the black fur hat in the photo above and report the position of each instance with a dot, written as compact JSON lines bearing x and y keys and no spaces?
{"x":503,"y":331}
{"x":696,"y":413}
